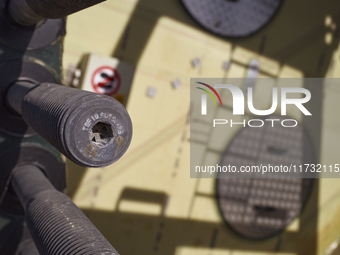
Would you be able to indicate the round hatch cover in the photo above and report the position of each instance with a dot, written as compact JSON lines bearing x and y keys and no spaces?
{"x":232,"y":18}
{"x":256,"y":207}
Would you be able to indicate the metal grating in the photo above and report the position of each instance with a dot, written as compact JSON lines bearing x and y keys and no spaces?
{"x":256,"y":207}
{"x":232,"y":18}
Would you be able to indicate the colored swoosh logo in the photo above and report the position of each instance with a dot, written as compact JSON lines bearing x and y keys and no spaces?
{"x":213,"y":90}
{"x":208,"y":94}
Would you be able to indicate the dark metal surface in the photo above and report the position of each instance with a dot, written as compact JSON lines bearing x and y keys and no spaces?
{"x":33,"y":153}
{"x":261,"y":207}
{"x":33,"y":54}
{"x":22,"y":14}
{"x":29,"y":12}
{"x":56,"y":224}
{"x":10,"y":122}
{"x":29,"y":38}
{"x":16,"y":93}
{"x":90,"y":129}
{"x":232,"y":18}
{"x":15,"y":239}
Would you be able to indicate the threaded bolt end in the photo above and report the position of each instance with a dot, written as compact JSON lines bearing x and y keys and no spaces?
{"x":90,"y":129}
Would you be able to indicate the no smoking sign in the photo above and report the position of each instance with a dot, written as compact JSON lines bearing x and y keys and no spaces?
{"x":106,"y":80}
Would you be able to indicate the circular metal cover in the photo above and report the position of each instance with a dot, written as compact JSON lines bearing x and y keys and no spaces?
{"x":259,"y":208}
{"x":232,"y":18}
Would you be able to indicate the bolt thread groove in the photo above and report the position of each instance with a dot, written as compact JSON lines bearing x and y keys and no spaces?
{"x":47,"y":107}
{"x":65,"y":117}
{"x":59,"y":227}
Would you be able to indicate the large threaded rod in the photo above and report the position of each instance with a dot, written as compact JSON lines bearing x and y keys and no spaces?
{"x":56,"y":224}
{"x":91,"y":129}
{"x":30,"y":12}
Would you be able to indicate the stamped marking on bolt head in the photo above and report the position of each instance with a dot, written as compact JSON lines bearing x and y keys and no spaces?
{"x":102,"y":115}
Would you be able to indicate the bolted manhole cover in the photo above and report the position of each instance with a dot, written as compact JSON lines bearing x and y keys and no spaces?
{"x":256,"y":207}
{"x":232,"y":18}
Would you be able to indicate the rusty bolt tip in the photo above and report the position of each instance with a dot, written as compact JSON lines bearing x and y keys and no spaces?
{"x":90,"y":129}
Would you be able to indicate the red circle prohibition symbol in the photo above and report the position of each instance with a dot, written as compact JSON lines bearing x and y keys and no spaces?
{"x":106,"y":80}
